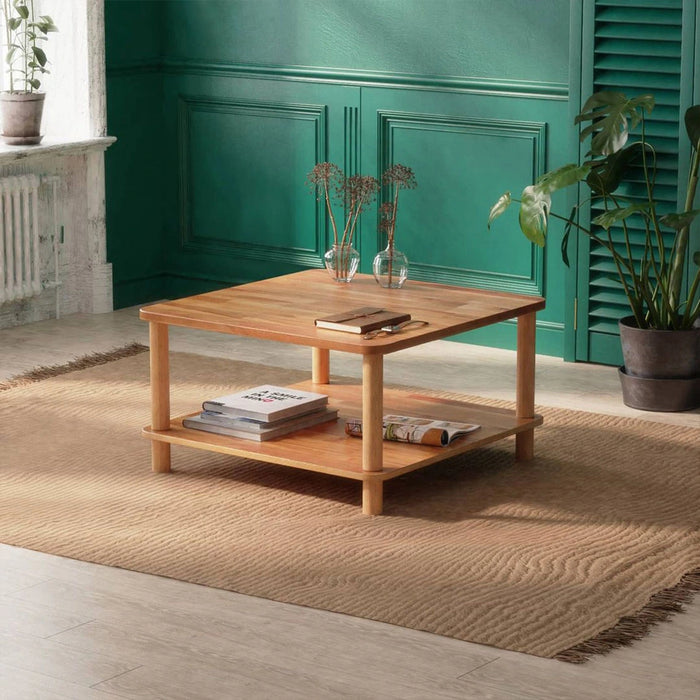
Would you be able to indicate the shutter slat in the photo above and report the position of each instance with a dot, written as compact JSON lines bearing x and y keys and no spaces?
{"x":640,"y":15}
{"x":649,"y":32}
{"x":627,"y":3}
{"x":647,"y":64}
{"x":635,"y":47}
{"x":623,"y":80}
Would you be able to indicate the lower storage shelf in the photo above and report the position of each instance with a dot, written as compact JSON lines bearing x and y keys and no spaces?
{"x":326,"y":448}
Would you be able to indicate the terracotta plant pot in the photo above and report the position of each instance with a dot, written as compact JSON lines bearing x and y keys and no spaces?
{"x":21,"y":117}
{"x":662,"y":368}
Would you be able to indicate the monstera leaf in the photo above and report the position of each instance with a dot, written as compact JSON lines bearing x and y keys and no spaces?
{"x":692,"y":124}
{"x":614,"y":216}
{"x":607,"y":174}
{"x":562,"y":177}
{"x":534,"y":208}
{"x":609,"y":113}
{"x":499,"y":207}
{"x":679,"y":221}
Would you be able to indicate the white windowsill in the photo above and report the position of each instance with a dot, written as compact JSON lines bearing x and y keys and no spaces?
{"x":50,"y":149}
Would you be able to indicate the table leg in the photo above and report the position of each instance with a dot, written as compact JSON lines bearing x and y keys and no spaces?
{"x":525,"y":385}
{"x":160,"y":394}
{"x":372,"y":496}
{"x":372,"y":431}
{"x":320,"y":366}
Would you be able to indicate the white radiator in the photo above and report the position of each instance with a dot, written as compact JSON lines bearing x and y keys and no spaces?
{"x":19,"y":237}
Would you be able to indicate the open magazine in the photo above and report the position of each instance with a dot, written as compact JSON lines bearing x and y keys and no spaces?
{"x":423,"y":431}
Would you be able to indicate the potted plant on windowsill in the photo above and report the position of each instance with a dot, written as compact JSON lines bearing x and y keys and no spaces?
{"x":661,"y":338}
{"x":22,"y":105}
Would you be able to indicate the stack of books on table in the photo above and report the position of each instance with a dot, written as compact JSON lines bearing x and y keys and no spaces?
{"x":262,"y":413}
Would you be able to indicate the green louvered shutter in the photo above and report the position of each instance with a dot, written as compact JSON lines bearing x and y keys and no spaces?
{"x":637,"y":50}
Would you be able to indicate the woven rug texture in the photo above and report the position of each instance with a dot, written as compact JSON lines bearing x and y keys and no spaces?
{"x":564,"y":556}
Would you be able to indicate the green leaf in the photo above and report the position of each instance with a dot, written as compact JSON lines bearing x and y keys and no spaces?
{"x":36,"y":84}
{"x":47,"y":22}
{"x":679,"y":221}
{"x":614,"y":216}
{"x":608,"y":113}
{"x":14,"y":22}
{"x":9,"y":56}
{"x":499,"y":207}
{"x":692,"y":124}
{"x":607,"y":174}
{"x":534,"y":208}
{"x":40,"y":55}
{"x":565,"y":239}
{"x":696,"y":257}
{"x":22,"y":9}
{"x":562,"y":177}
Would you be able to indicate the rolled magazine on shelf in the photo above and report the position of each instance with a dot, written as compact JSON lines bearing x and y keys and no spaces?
{"x":422,"y":431}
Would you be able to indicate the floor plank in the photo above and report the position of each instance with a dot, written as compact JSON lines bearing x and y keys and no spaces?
{"x":20,"y":684}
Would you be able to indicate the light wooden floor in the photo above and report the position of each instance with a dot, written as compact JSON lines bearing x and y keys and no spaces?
{"x":74,"y":630}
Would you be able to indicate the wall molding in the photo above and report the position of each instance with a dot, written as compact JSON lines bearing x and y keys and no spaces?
{"x":534,"y":132}
{"x":348,"y":76}
{"x":192,"y":241}
{"x":145,"y":65}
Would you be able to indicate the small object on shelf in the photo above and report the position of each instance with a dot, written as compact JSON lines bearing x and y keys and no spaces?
{"x":421,"y":431}
{"x":267,"y":403}
{"x":362,"y":320}
{"x":262,"y":432}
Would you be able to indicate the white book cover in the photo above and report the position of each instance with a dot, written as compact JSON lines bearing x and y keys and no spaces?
{"x":267,"y":402}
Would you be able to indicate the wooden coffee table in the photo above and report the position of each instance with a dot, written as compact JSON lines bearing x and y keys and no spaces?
{"x":284,"y":309}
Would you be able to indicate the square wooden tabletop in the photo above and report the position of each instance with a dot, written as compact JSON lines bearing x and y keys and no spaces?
{"x":284,"y":309}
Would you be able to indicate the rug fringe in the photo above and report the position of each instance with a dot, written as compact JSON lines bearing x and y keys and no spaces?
{"x":91,"y":360}
{"x":660,"y":608}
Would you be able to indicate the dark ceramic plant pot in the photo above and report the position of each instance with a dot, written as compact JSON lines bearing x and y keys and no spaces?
{"x":659,"y":394}
{"x":662,"y":368}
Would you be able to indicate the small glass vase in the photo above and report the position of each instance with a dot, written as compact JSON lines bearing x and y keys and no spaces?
{"x":390,"y":267}
{"x":341,"y":261}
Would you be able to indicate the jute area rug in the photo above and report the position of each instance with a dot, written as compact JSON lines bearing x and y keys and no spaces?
{"x":573,"y":554}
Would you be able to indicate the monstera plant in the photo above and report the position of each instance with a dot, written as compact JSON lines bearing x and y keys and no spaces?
{"x":621,"y":175}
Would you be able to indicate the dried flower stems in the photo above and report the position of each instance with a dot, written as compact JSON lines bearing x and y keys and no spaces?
{"x":354,"y":193}
{"x":396,"y":177}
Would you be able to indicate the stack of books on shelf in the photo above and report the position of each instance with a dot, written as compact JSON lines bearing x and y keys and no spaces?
{"x":262,"y":413}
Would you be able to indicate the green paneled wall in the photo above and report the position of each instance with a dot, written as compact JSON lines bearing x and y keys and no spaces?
{"x":473,"y":95}
{"x":508,"y":39}
{"x":134,"y":164}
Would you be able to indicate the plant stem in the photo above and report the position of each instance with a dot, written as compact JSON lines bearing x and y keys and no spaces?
{"x":29,"y":74}
{"x":328,"y":206}
{"x":678,"y":261}
{"x":8,"y":34}
{"x":391,"y":232}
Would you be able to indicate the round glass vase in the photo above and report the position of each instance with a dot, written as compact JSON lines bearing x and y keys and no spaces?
{"x":341,"y":261}
{"x":390,"y":267}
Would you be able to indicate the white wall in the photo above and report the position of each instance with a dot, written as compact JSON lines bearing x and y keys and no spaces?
{"x":72,"y":149}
